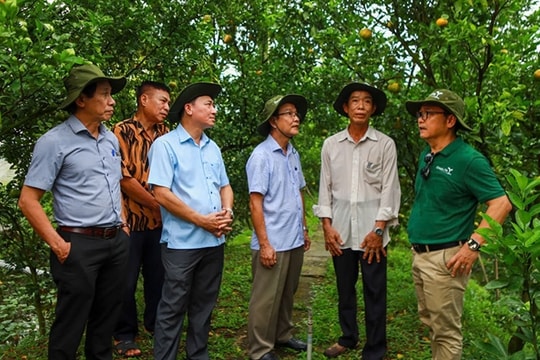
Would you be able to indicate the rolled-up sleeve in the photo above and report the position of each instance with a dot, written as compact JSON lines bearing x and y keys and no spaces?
{"x":324,"y":207}
{"x":391,"y":190}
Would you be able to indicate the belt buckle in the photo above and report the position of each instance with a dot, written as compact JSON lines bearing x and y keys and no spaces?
{"x":109,"y":232}
{"x":419,"y":248}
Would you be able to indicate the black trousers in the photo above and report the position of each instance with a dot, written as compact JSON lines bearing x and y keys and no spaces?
{"x":144,"y":258}
{"x":90,"y":290}
{"x":347,"y":267}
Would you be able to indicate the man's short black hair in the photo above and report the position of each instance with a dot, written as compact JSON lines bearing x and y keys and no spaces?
{"x":145,"y":85}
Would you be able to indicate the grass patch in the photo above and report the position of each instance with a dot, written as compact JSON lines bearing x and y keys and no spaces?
{"x":406,"y":337}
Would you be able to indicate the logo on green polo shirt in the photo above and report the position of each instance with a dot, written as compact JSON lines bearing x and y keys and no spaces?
{"x":448,"y":170}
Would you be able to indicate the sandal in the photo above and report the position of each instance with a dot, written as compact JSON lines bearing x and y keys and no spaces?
{"x":122,"y":348}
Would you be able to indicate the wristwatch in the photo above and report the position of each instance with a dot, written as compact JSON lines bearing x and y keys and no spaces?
{"x":230,"y":211}
{"x":473,"y":244}
{"x":378,"y":231}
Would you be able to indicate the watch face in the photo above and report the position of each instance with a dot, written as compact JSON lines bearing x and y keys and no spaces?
{"x":473,"y":244}
{"x":379,"y":232}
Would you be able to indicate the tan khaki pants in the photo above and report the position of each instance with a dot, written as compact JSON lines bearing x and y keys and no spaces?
{"x":272,"y":298}
{"x":440,"y":301}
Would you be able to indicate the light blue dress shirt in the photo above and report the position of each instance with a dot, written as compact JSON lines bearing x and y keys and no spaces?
{"x":278,"y":176}
{"x":82,"y":172}
{"x":195,"y":173}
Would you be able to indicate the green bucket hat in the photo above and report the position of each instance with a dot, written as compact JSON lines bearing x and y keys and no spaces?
{"x":274,"y":103}
{"x":379,"y":97}
{"x":190,"y":93}
{"x":444,"y":98}
{"x":81,"y":76}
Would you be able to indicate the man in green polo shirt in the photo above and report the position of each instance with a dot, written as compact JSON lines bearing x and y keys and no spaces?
{"x":453,"y":178}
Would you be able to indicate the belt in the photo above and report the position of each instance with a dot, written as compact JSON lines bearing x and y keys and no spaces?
{"x":100,"y":232}
{"x":421,"y":248}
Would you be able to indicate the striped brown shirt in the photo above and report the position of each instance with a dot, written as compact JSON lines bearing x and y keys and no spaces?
{"x":135,"y":143}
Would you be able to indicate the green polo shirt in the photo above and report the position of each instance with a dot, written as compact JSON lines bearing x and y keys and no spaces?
{"x":445,"y":204}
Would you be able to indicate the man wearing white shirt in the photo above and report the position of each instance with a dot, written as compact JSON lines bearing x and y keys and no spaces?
{"x":359,"y":198}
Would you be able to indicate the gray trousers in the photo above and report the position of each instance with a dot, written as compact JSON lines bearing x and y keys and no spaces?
{"x":191,"y":287}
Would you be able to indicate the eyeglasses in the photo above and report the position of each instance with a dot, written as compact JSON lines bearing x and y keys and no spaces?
{"x":290,"y":114}
{"x":425,"y":114}
{"x":428,"y":159}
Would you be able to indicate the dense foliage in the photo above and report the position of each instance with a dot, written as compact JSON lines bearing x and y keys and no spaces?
{"x":485,"y":50}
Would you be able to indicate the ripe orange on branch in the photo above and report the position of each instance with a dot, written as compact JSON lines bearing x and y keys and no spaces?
{"x":365,"y":33}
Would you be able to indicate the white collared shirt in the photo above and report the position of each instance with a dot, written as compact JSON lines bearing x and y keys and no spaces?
{"x":359,"y":184}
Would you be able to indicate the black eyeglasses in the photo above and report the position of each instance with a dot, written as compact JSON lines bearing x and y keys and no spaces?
{"x":290,"y":114}
{"x":425,"y":114}
{"x":428,"y":159}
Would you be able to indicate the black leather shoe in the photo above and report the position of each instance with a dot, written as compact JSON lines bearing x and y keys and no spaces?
{"x":269,"y":356}
{"x":294,"y":344}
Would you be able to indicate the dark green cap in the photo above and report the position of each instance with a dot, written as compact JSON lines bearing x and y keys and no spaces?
{"x":444,"y":98}
{"x":81,"y":76}
{"x":274,"y":103}
{"x":190,"y":93}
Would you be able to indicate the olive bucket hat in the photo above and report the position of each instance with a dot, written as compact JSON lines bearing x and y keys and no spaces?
{"x":274,"y":103}
{"x":81,"y":76}
{"x":190,"y":93}
{"x":379,"y":97}
{"x":444,"y":98}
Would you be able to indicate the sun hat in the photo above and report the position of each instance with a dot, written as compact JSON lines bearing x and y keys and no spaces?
{"x":81,"y":76}
{"x":274,"y":103}
{"x":379,"y":97}
{"x":190,"y":93}
{"x":444,"y":98}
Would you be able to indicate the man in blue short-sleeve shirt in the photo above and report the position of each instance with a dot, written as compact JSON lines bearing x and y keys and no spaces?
{"x":280,"y":235}
{"x":79,"y":162}
{"x":190,"y":183}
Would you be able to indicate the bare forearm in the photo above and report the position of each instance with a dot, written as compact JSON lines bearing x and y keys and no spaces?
{"x":176,"y":206}
{"x":135,"y":191}
{"x":227,"y":197}
{"x":257,"y":217}
{"x":498,"y":209}
{"x":38,"y":219}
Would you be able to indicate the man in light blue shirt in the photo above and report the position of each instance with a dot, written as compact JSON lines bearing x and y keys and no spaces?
{"x":190,"y":183}
{"x":78,"y":161}
{"x":280,"y":234}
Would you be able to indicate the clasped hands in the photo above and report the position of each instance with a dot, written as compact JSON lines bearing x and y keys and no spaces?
{"x":219,"y":223}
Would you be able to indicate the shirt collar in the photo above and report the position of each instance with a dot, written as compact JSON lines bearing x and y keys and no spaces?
{"x":370,"y":134}
{"x":77,"y":126}
{"x":184,"y":136}
{"x":448,"y":149}
{"x":158,"y":127}
{"x":274,"y":146}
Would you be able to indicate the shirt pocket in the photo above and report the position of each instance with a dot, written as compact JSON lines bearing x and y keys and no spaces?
{"x":212,"y":171}
{"x":372,"y":173}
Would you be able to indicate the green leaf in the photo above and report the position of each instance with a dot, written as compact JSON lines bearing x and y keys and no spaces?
{"x":496,"y":284}
{"x":531,"y":240}
{"x":523,"y":218}
{"x":494,"y":347}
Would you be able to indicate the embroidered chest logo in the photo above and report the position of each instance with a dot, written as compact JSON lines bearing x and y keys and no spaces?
{"x":447,"y":170}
